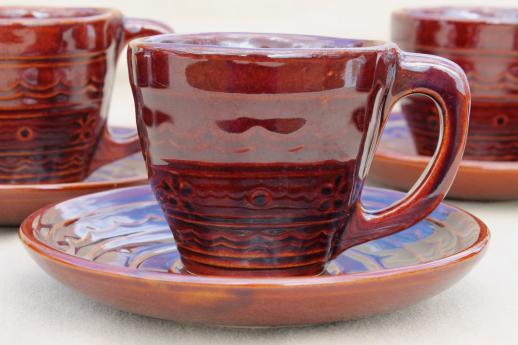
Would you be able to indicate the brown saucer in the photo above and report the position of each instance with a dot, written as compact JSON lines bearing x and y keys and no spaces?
{"x":117,"y":248}
{"x":397,"y":165}
{"x":17,"y":201}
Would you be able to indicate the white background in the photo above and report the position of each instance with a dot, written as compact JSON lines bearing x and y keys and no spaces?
{"x":481,"y":309}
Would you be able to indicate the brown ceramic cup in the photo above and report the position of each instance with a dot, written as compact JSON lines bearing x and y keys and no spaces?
{"x":484,"y":42}
{"x":56,"y":73}
{"x":257,"y":145}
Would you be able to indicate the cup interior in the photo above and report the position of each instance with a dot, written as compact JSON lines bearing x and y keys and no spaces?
{"x":48,"y":13}
{"x":494,"y":15}
{"x":258,"y":41}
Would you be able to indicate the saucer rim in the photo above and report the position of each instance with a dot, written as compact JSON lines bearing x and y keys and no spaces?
{"x":116,"y":183}
{"x":34,"y":246}
{"x":387,"y":154}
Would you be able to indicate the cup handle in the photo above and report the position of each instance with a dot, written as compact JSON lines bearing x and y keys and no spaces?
{"x":446,"y":84}
{"x":112,"y":146}
{"x":138,"y":27}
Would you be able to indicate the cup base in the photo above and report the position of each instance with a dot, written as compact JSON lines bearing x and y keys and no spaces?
{"x":202,"y":269}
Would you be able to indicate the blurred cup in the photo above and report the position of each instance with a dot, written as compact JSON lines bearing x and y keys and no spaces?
{"x":484,"y":42}
{"x":57,"y":68}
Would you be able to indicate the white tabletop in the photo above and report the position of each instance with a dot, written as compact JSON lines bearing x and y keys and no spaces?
{"x":480,"y":309}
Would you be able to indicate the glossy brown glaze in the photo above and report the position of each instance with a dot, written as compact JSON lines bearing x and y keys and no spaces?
{"x":484,"y":42}
{"x":257,"y":145}
{"x":116,"y":247}
{"x":56,"y":73}
{"x":397,"y":165}
{"x":17,"y":201}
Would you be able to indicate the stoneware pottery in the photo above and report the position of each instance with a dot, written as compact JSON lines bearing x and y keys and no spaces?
{"x":116,"y":247}
{"x":56,"y":73}
{"x":257,"y":145}
{"x":397,"y":164}
{"x":17,"y":201}
{"x":484,"y":42}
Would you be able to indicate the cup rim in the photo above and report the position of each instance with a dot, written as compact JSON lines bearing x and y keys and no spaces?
{"x":96,"y":14}
{"x":437,"y":13}
{"x":177,"y":43}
